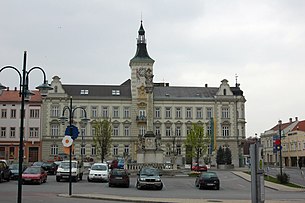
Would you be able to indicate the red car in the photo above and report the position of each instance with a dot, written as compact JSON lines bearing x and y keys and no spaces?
{"x":34,"y":174}
{"x":199,"y":167}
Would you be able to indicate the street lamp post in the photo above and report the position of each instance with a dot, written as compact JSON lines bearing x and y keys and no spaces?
{"x":24,"y":93}
{"x":280,"y":133}
{"x":71,"y":111}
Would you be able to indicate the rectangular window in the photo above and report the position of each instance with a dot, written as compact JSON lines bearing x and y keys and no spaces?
{"x":225,"y":131}
{"x":168,"y":112}
{"x":168,"y":131}
{"x":82,"y":131}
{"x":54,"y":111}
{"x":225,"y":112}
{"x":93,"y":150}
{"x":105,"y":112}
{"x":188,"y":112}
{"x":83,"y":112}
{"x":188,"y":130}
{"x":13,"y":132}
{"x":54,"y":130}
{"x":126,"y":150}
{"x":116,"y":131}
{"x":126,"y":131}
{"x":126,"y":112}
{"x":83,"y":150}
{"x":157,"y":112}
{"x":34,"y":113}
{"x":34,"y":132}
{"x":209,"y":130}
{"x":178,"y":131}
{"x":209,"y":113}
{"x":93,"y":131}
{"x":3,"y":113}
{"x":84,"y":92}
{"x":116,"y":112}
{"x":178,"y":149}
{"x":178,"y":112}
{"x":115,"y":150}
{"x":142,"y":130}
{"x":94,"y":111}
{"x":13,"y":113}
{"x":157,"y":130}
{"x":54,"y":150}
{"x":116,"y":92}
{"x":198,"y":113}
{"x":3,"y":132}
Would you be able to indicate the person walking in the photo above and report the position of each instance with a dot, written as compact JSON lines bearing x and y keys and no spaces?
{"x":300,"y":163}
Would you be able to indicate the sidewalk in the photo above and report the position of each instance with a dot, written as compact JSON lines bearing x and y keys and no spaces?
{"x":268,"y":184}
{"x":163,"y":200}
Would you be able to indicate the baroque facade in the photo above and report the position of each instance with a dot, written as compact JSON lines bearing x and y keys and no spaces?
{"x":140,"y":105}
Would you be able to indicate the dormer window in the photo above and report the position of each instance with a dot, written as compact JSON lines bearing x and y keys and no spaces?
{"x":224,"y":92}
{"x":116,"y":92}
{"x":84,"y":92}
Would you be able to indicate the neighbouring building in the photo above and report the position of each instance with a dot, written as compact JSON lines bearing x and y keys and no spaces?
{"x":292,"y":142}
{"x":140,"y":105}
{"x":10,"y":105}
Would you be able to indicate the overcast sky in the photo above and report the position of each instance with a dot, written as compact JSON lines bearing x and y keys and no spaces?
{"x":192,"y":43}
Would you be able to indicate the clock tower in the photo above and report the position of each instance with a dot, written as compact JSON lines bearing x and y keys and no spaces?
{"x":142,"y":86}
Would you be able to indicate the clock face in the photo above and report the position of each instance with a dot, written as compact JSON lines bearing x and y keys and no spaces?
{"x":142,"y":72}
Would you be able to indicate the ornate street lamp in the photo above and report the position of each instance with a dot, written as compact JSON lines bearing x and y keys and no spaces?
{"x":24,"y":93}
{"x":63,"y":119}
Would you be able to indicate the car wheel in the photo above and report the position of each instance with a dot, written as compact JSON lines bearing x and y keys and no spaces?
{"x":81,"y":177}
{"x":45,"y":180}
{"x":1,"y":178}
{"x":88,"y":179}
{"x":200,"y":187}
{"x":161,"y":186}
{"x":217,"y":187}
{"x":40,"y":181}
{"x":109,"y":184}
{"x":138,"y":186}
{"x":57,"y":179}
{"x":127,"y":185}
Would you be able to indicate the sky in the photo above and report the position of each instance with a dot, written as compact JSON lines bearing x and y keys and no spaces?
{"x":193,"y":43}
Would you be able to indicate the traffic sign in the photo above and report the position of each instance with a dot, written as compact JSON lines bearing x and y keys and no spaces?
{"x":72,"y":131}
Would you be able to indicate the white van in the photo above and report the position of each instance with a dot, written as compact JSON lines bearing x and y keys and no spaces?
{"x":63,"y":170}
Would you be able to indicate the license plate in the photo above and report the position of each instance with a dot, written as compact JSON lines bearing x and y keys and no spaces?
{"x":27,"y":179}
{"x":65,"y":176}
{"x":210,"y":184}
{"x":118,"y":178}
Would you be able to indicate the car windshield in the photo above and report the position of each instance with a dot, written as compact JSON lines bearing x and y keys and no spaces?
{"x":209,"y":175}
{"x":37,"y":163}
{"x":66,"y":165}
{"x":47,"y":164}
{"x":118,"y":172}
{"x":99,"y":167}
{"x":14,"y":167}
{"x":149,"y":172}
{"x":32,"y":170}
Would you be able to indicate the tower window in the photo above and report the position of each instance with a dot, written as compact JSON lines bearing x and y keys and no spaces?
{"x":84,"y":92}
{"x":116,"y":92}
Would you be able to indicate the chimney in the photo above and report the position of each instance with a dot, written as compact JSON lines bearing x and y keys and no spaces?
{"x":206,"y":85}
{"x":15,"y":89}
{"x":7,"y":88}
{"x":290,"y":120}
{"x":296,"y":118}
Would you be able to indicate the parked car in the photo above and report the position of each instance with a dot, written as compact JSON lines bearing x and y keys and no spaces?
{"x":118,"y":177}
{"x":199,"y":167}
{"x":149,"y":177}
{"x":121,"y":163}
{"x":63,"y":170}
{"x":38,"y":163}
{"x":34,"y":174}
{"x":207,"y":180}
{"x":15,"y":170}
{"x":98,"y":172}
{"x":5,"y":172}
{"x":50,"y":167}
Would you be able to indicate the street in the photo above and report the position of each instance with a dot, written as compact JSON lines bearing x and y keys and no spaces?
{"x":232,"y":187}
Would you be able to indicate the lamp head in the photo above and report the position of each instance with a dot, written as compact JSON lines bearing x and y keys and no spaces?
{"x":63,"y":119}
{"x":44,"y":88}
{"x":2,"y":87}
{"x":85,"y":120}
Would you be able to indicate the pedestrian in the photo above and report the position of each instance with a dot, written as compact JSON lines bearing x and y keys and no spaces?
{"x":300,"y":163}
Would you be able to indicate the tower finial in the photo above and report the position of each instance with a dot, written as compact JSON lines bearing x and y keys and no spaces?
{"x":236,"y":83}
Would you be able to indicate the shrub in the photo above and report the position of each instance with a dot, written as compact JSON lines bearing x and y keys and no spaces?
{"x":284,"y":178}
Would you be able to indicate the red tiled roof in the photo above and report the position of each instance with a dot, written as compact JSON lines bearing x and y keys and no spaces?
{"x":283,"y":126}
{"x":13,"y":96}
{"x":300,"y":126}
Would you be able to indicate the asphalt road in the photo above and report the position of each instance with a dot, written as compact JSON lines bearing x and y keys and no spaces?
{"x":232,"y":187}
